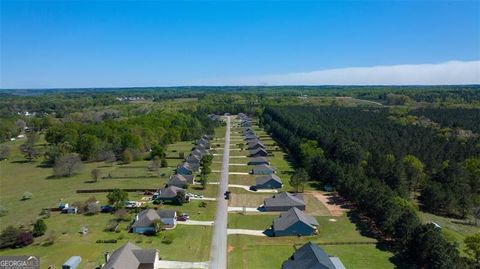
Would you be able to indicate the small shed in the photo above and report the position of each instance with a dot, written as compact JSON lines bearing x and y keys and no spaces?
{"x":72,"y":263}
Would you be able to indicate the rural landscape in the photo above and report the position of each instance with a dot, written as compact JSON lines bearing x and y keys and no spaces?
{"x":233,"y":134}
{"x":372,"y":177}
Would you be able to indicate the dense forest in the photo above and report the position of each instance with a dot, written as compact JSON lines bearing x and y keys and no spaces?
{"x":383,"y":167}
{"x":463,"y":118}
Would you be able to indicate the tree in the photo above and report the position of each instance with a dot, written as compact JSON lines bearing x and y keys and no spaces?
{"x":29,"y":151}
{"x":164,"y":163}
{"x":67,"y":165}
{"x":92,"y":208}
{"x":157,"y":150}
{"x":117,"y":196}
{"x":8,"y":237}
{"x":20,"y":124}
{"x":96,"y":174}
{"x":472,"y":247}
{"x":157,"y":225}
{"x":55,"y":151}
{"x":127,"y":156}
{"x":39,"y":228}
{"x":24,"y":238}
{"x":205,"y":169}
{"x":429,"y":249}
{"x":88,"y":146}
{"x":181,"y":198}
{"x":414,"y":170}
{"x":298,"y":179}
{"x":4,"y":152}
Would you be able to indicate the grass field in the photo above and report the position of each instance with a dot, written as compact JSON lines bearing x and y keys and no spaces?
{"x":18,"y":176}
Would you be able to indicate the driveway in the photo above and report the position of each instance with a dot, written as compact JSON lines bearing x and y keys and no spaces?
{"x":247,"y":188}
{"x":247,"y":232}
{"x":183,"y":265}
{"x":247,"y":209}
{"x":197,"y":222}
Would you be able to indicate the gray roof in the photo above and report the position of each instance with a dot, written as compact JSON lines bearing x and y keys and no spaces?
{"x":255,"y":143}
{"x":264,"y":179}
{"x":292,"y":216}
{"x":259,"y":160}
{"x":309,"y":256}
{"x":170,"y":192}
{"x":190,"y":166}
{"x":166,"y":213}
{"x":130,"y":256}
{"x":285,"y":199}
{"x":178,"y":179}
{"x":145,"y":218}
{"x":262,"y":167}
{"x":255,"y":151}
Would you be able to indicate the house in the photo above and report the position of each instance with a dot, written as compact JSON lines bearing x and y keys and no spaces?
{"x":193,"y":159}
{"x":168,"y":218}
{"x":187,"y":168}
{"x":284,"y":201}
{"x":130,"y":256}
{"x":271,"y":181}
{"x":255,"y":144}
{"x":258,"y":153}
{"x":311,"y":256}
{"x":180,"y":181}
{"x":249,"y":137}
{"x":199,"y":152}
{"x":294,"y":222}
{"x":262,"y":169}
{"x":168,"y":194}
{"x":258,"y":161}
{"x":144,"y":221}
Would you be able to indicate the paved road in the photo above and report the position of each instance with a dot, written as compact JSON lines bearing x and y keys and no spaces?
{"x":218,"y":251}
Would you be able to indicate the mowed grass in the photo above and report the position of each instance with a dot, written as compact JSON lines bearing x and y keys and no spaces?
{"x":247,"y":251}
{"x":194,"y":240}
{"x":18,"y":176}
{"x":250,"y":252}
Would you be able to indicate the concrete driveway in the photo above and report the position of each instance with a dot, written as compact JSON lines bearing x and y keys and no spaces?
{"x":183,"y":265}
{"x":197,"y":222}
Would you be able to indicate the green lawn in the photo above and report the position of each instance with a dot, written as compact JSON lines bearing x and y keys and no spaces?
{"x":18,"y":176}
{"x":194,"y":240}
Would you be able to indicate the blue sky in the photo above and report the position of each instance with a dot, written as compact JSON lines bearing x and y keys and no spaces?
{"x":160,"y":43}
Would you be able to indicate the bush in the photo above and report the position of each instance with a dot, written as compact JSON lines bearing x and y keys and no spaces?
{"x":27,"y":196}
{"x":107,"y":241}
{"x":202,"y":204}
{"x":3,"y":211}
{"x":24,"y":239}
{"x":39,"y":228}
{"x":8,"y":237}
{"x":168,"y":239}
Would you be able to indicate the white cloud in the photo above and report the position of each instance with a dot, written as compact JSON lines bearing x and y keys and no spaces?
{"x":447,"y":73}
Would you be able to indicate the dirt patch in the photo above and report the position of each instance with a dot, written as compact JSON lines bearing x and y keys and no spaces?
{"x":230,"y":248}
{"x":335,"y":204}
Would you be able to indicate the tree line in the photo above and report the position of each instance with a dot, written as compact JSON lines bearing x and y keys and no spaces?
{"x":381,"y":166}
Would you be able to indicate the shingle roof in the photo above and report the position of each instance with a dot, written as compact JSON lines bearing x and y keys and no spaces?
{"x":146,"y":218}
{"x":178,"y":179}
{"x":262,"y":167}
{"x":130,"y":256}
{"x":255,"y":151}
{"x":166,"y":213}
{"x":264,"y":179}
{"x":170,"y":192}
{"x":309,"y":256}
{"x":258,"y":160}
{"x":285,"y":199}
{"x":292,"y":216}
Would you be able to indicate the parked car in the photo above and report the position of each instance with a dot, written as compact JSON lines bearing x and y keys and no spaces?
{"x":227,"y":195}
{"x":106,"y":208}
{"x":182,"y":218}
{"x":253,"y":188}
{"x":131,"y":204}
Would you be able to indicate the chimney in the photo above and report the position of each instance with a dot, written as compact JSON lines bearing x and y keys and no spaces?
{"x":107,"y":256}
